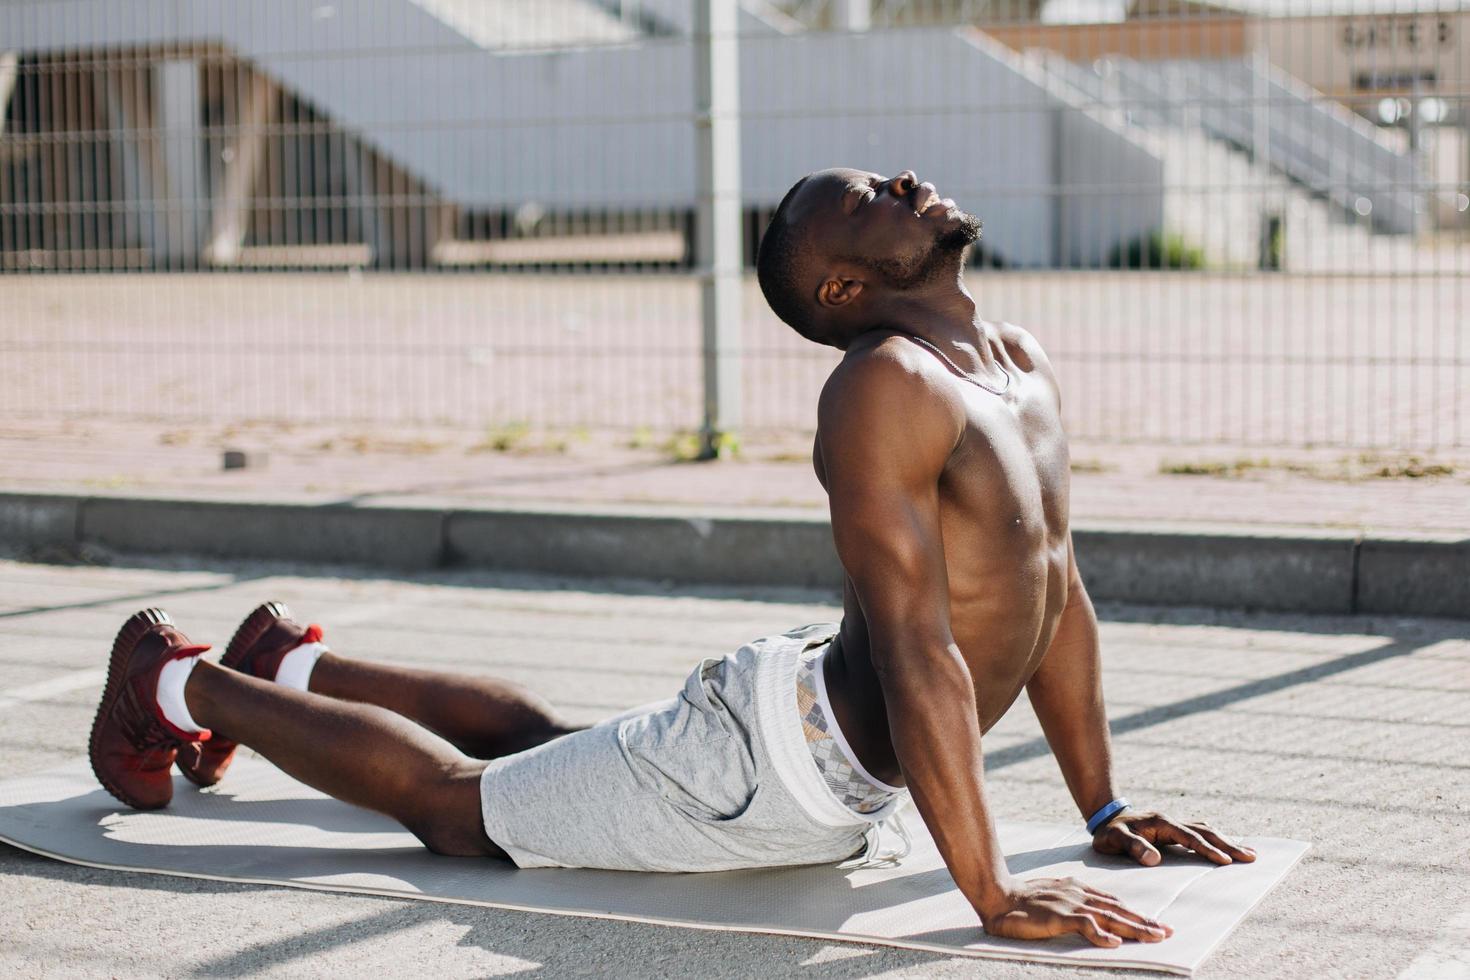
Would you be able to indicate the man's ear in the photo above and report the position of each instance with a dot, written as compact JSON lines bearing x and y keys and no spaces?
{"x":833,"y":293}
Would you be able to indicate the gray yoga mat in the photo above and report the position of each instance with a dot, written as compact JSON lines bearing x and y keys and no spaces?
{"x":261,"y":826}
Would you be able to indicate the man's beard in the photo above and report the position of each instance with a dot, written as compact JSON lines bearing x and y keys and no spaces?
{"x":945,"y":258}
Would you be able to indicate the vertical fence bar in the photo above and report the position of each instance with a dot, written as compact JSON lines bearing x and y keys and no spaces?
{"x":9,"y":72}
{"x":719,"y":255}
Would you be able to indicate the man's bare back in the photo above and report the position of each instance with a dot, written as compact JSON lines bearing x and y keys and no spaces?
{"x":1002,"y":512}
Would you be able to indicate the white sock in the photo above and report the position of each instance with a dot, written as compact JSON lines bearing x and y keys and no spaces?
{"x":296,"y":666}
{"x":171,"y":680}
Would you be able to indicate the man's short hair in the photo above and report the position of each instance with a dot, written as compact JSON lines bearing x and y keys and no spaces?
{"x":780,"y":267}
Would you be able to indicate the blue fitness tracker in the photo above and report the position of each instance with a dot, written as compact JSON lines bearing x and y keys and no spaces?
{"x":1107,"y":813}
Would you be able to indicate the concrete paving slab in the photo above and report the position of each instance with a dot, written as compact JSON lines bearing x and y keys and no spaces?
{"x":621,"y":351}
{"x":1346,"y":731}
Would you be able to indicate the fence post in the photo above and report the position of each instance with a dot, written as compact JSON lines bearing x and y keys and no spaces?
{"x":181,"y":153}
{"x":9,"y":71}
{"x":853,"y":15}
{"x":719,"y":255}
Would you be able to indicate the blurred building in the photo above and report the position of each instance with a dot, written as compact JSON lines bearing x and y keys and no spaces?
{"x":155,"y":134}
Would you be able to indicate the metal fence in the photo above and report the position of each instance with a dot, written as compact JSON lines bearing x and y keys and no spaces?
{"x":1243,"y":222}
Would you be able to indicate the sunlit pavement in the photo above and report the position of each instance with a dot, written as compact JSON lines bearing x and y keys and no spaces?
{"x":1349,"y":733}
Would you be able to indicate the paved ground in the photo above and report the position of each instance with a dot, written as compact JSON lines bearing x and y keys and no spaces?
{"x":504,"y":388}
{"x":1349,"y":733}
{"x":1377,"y":492}
{"x":1357,"y":360}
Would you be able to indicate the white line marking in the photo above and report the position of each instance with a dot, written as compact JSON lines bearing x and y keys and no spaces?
{"x":1448,"y":957}
{"x":66,"y":683}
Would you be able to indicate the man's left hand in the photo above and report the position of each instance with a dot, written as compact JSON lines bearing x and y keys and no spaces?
{"x":1138,"y":833}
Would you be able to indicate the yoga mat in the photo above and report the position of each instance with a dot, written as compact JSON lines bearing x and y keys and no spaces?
{"x":261,"y":826}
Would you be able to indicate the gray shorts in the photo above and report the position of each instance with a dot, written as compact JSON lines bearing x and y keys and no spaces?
{"x":714,"y":779}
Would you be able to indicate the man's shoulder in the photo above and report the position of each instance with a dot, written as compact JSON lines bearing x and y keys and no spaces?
{"x":885,"y":371}
{"x":887,"y":387}
{"x":883,"y":354}
{"x":1013,"y":332}
{"x":896,"y":363}
{"x":1019,"y":340}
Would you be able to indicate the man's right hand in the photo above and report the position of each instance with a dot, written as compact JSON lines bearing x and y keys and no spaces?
{"x":1046,"y":907}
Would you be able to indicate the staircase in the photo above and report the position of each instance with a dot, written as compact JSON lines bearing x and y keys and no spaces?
{"x":1334,"y":192}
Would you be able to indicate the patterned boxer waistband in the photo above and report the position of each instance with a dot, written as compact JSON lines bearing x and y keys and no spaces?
{"x":849,"y":782}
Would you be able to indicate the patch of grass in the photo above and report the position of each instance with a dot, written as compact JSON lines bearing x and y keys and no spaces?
{"x":503,"y":438}
{"x":1230,"y":468}
{"x":683,"y":446}
{"x":1349,"y":469}
{"x":521,"y":439}
{"x":642,"y":438}
{"x":1156,"y":251}
{"x":1091,"y":466}
{"x":686,"y":446}
{"x":364,"y":445}
{"x":727,"y":446}
{"x":1204,"y":468}
{"x":1407,"y":467}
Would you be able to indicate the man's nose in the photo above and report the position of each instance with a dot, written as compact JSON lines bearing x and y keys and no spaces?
{"x":903,"y":184}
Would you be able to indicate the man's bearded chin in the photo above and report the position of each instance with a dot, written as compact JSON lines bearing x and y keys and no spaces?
{"x":959,"y":238}
{"x":944,"y":259}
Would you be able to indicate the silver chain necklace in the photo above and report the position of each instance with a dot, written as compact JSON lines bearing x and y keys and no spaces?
{"x":961,"y":371}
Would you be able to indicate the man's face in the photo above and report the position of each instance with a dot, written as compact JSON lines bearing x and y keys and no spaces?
{"x":898,"y":228}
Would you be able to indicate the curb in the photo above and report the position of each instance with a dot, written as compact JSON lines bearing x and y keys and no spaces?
{"x":1307,"y":571}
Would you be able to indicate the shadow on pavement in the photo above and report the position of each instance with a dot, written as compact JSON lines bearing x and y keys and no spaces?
{"x":148,"y":597}
{"x":1392,"y":648}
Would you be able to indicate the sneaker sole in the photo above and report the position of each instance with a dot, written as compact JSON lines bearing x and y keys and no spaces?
{"x":127,"y":638}
{"x":254,"y":627}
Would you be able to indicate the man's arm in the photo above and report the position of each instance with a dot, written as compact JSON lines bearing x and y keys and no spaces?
{"x":1066,"y":693}
{"x":886,"y":436}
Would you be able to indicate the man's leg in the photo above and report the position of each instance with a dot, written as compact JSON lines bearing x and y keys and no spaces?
{"x":359,"y":753}
{"x":482,"y":716}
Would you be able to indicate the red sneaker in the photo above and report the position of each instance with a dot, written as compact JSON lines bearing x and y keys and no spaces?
{"x":257,"y":649}
{"x":132,"y":745}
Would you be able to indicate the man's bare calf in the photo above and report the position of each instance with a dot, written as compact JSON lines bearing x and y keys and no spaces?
{"x":483,"y":717}
{"x":411,"y":744}
{"x":359,"y":753}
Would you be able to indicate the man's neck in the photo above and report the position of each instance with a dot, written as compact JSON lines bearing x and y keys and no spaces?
{"x":945,"y":315}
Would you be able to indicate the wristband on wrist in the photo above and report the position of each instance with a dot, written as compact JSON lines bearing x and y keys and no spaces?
{"x":1106,"y":813}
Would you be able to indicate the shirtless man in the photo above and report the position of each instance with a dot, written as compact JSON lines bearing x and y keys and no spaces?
{"x":941,"y":448}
